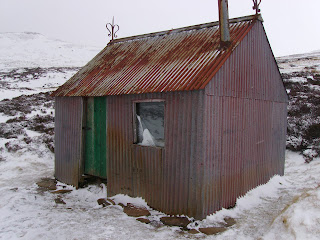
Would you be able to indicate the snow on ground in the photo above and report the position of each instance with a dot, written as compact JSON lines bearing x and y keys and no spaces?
{"x":287,"y":207}
{"x":32,"y":80}
{"x":299,"y":62}
{"x":301,"y":76}
{"x":32,"y":50}
{"x":31,"y":63}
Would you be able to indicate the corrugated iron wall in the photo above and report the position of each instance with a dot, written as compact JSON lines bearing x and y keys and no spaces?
{"x":245,"y":119}
{"x":168,"y":178}
{"x":68,"y":139}
{"x":279,"y":132}
{"x":250,"y":72}
{"x":245,"y":147}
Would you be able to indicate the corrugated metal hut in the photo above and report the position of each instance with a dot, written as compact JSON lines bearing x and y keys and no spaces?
{"x":176,"y":117}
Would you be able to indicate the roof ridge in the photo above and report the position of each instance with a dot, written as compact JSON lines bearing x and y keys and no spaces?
{"x":188,"y":28}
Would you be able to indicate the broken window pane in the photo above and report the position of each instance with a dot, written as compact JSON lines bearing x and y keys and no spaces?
{"x":150,"y":123}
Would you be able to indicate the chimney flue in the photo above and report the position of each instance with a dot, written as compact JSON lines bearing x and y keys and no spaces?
{"x":224,"y":22}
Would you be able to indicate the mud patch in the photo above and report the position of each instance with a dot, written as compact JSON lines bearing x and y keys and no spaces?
{"x":47,"y":184}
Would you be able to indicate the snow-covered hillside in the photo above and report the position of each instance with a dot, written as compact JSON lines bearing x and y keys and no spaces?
{"x":288,"y":207}
{"x":31,"y":63}
{"x":32,"y":50}
{"x":301,"y":75}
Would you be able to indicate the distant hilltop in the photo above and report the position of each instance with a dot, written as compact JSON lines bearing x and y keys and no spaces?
{"x":31,"y":49}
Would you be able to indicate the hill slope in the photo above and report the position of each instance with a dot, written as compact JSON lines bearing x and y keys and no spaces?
{"x":32,"y":50}
{"x":31,"y":63}
{"x":301,"y":75}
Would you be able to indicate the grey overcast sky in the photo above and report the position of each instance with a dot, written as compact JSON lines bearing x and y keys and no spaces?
{"x":292,"y":26}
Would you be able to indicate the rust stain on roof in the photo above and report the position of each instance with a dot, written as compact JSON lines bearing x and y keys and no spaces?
{"x":176,"y":60}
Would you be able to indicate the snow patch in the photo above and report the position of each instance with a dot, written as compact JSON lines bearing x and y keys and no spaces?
{"x":148,"y":139}
{"x":298,"y":79}
{"x":32,"y":134}
{"x":125,"y":199}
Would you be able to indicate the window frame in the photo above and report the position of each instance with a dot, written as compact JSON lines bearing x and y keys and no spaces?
{"x":134,"y":118}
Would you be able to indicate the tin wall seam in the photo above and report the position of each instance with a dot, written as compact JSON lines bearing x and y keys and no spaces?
{"x":68,"y":139}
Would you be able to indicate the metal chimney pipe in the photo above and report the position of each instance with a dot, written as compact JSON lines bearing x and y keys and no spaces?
{"x":224,"y":22}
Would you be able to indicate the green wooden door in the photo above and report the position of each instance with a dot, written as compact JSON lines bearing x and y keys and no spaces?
{"x":95,"y":137}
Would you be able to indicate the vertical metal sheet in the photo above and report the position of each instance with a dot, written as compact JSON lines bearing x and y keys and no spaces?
{"x":245,"y":147}
{"x":68,"y":139}
{"x":168,"y":178}
{"x":250,"y":72}
{"x":245,"y":121}
{"x":147,"y":167}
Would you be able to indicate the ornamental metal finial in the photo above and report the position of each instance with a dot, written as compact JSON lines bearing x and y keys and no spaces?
{"x":256,"y":4}
{"x":112,"y":32}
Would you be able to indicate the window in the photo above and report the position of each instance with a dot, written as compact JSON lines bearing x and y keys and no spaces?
{"x":149,"y":123}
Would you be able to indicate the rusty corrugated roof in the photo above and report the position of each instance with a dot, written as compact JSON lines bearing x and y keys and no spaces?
{"x":176,"y":60}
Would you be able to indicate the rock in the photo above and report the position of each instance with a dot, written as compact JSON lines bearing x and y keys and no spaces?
{"x":212,"y":230}
{"x":143,"y":220}
{"x":229,"y":221}
{"x":103,"y":202}
{"x":193,"y":231}
{"x":156,"y":224}
{"x":47,"y":183}
{"x":59,"y":201}
{"x":121,"y":204}
{"x":62,"y":191}
{"x":134,"y":211}
{"x":175,"y":221}
{"x":111,"y":201}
